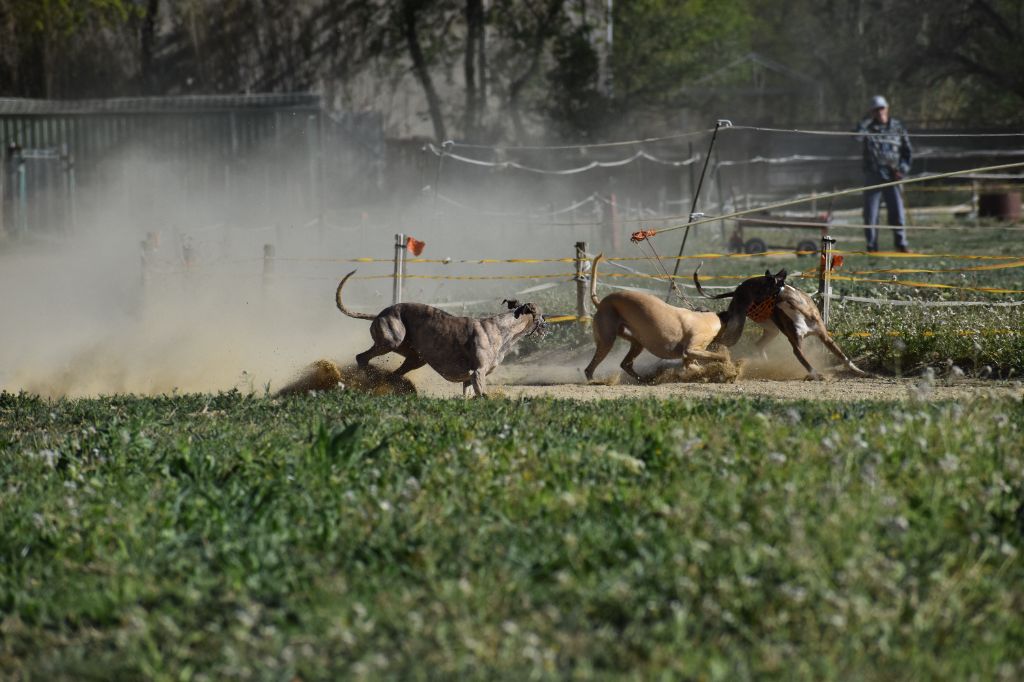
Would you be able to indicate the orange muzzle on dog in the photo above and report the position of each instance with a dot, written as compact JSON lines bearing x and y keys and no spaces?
{"x":762,"y":310}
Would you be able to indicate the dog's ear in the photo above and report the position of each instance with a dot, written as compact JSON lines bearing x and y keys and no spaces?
{"x":767,"y":273}
{"x":781,"y":275}
{"x":512,"y":304}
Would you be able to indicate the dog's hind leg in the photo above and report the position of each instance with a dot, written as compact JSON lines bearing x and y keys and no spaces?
{"x":635,"y":348}
{"x":363,"y":359}
{"x":387,"y":334}
{"x":412,"y":361}
{"x":707,"y":355}
{"x":604,"y":339}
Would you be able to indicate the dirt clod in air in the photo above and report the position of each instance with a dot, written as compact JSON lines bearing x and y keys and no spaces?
{"x":326,"y":375}
{"x":705,"y":373}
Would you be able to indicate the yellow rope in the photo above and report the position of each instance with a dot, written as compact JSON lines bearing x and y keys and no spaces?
{"x":926,"y":285}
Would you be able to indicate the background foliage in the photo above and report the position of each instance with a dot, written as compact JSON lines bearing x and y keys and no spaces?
{"x":501,"y":71}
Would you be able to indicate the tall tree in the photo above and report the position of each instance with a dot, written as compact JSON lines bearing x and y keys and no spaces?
{"x":474,"y":68}
{"x":526,"y":27}
{"x":410,"y":14}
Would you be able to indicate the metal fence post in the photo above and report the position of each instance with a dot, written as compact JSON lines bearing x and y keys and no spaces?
{"x":581,"y":283}
{"x":396,"y":289}
{"x":825,"y":277}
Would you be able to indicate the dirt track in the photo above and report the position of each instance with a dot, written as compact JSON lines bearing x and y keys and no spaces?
{"x":560,"y":376}
{"x":837,"y":389}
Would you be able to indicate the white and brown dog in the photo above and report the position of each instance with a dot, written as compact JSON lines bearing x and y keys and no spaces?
{"x":460,"y":349}
{"x":786,"y":309}
{"x":647,"y":322}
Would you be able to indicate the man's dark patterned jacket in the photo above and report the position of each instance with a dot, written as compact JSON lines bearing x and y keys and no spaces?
{"x":886,"y":150}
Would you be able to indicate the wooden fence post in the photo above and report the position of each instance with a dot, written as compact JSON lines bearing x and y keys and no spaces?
{"x":581,"y":282}
{"x":825,"y":277}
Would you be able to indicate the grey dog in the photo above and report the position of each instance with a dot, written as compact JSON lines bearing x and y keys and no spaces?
{"x":462,"y":349}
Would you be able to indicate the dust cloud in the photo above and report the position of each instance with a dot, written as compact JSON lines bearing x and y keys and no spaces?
{"x":82,"y":316}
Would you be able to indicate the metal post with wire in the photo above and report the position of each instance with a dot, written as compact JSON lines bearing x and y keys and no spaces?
{"x":825,"y":277}
{"x":721,"y":123}
{"x":396,"y":289}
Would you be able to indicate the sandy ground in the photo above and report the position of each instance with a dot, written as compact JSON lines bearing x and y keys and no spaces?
{"x":844,"y":389}
{"x":560,"y":375}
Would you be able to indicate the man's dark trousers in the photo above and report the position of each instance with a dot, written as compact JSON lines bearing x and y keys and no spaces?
{"x":894,"y":206}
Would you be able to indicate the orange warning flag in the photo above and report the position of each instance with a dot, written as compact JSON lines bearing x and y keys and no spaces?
{"x":414,"y":246}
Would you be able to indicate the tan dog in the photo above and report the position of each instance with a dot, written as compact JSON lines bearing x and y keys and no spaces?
{"x":794,"y":314}
{"x":462,"y":349}
{"x":648,"y":322}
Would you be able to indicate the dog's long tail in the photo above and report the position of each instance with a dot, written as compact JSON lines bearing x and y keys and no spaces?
{"x":341,"y":306}
{"x":593,"y":280}
{"x":696,"y":281}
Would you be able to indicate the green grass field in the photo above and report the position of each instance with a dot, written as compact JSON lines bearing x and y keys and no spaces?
{"x":343,"y":536}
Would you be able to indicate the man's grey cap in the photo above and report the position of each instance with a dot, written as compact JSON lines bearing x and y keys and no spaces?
{"x":878,"y":102}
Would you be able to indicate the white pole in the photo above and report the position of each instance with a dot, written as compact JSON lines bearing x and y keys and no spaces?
{"x":396,"y":291}
{"x":825,"y":277}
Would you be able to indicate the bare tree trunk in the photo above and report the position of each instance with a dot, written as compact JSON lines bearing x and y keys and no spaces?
{"x":481,"y":45}
{"x":410,"y":9}
{"x":147,"y":47}
{"x":469,"y":114}
{"x":545,"y":28}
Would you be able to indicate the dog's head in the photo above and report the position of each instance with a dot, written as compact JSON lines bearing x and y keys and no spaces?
{"x":776,"y":281}
{"x":519,"y":309}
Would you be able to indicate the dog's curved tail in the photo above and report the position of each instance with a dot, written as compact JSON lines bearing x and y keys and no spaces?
{"x":341,"y":306}
{"x":593,"y":280}
{"x":728,"y":294}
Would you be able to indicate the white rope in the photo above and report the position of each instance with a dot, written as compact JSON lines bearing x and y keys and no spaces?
{"x":639,"y":273}
{"x":520,"y":214}
{"x":795,"y":158}
{"x":595,"y":145}
{"x":853,"y":133}
{"x":528,"y":290}
{"x":708,"y":131}
{"x":845,"y":192}
{"x":503,"y":165}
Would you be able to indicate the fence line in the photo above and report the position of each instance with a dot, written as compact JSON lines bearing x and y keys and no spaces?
{"x":581,"y":277}
{"x":708,"y":131}
{"x":840,"y":193}
{"x":502,"y":165}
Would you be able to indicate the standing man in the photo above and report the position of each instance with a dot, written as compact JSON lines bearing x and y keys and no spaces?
{"x":886,"y":158}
